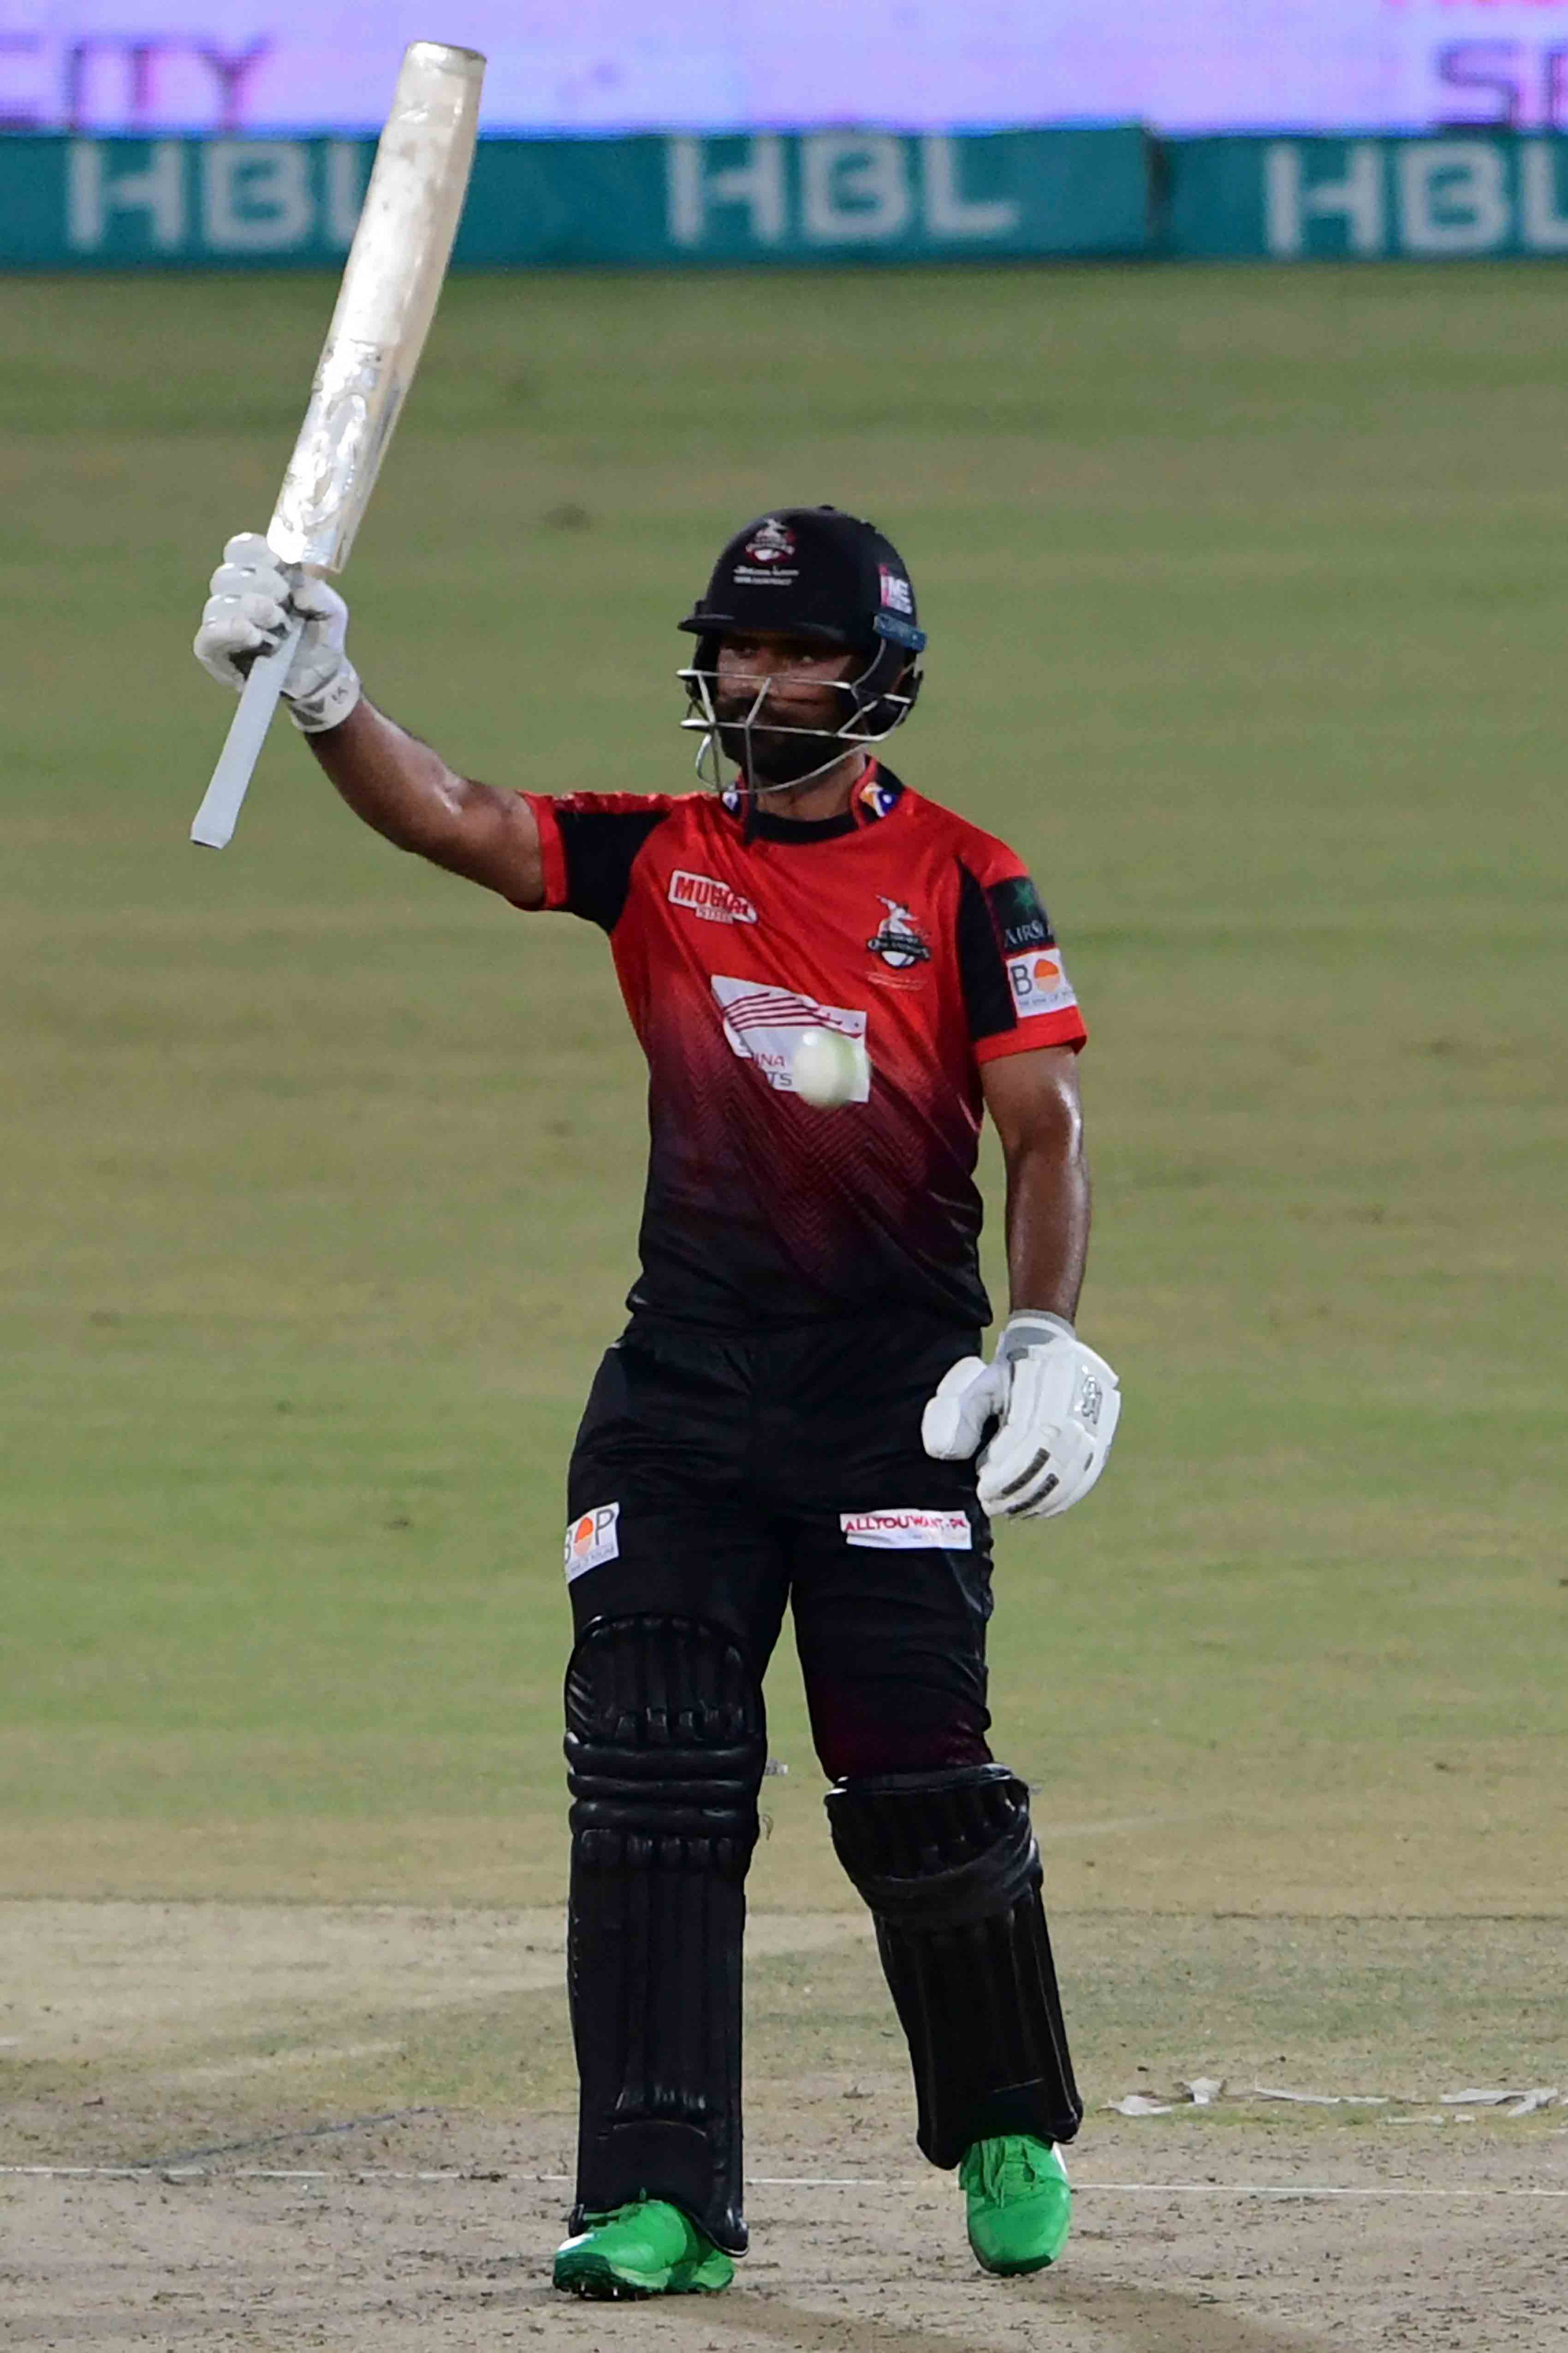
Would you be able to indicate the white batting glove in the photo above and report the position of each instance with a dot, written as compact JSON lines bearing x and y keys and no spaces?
{"x":1056,"y":1405}
{"x":253,"y":595}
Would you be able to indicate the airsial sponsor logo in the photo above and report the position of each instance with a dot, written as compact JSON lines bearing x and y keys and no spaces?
{"x":1019,"y":917}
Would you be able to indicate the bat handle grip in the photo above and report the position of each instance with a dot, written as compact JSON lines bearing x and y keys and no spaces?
{"x":224,"y":796}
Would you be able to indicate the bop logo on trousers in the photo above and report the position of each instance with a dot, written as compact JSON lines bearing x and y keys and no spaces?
{"x":593,"y":1539}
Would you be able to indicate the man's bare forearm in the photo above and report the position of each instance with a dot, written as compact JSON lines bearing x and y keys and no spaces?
{"x":389,"y":777}
{"x":1048,"y":1226}
{"x":407,"y":792}
{"x":1034,"y":1101}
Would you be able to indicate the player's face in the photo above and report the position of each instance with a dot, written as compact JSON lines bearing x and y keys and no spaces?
{"x":799,"y":676}
{"x":798,"y":672}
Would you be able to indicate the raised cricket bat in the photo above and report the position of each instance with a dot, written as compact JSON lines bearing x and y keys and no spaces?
{"x":391,"y":282}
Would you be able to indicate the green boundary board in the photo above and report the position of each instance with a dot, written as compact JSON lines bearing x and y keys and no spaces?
{"x":1465,"y":195}
{"x":766,"y":197}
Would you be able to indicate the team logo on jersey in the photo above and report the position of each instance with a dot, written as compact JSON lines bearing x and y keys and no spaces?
{"x":772,"y":543}
{"x":715,"y":902}
{"x":764,"y":1025}
{"x":1040,"y":983}
{"x":899,"y":941}
{"x":910,"y":1530}
{"x":593,"y":1539}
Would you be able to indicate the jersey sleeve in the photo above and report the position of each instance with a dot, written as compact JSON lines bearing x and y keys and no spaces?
{"x":1016,"y":993}
{"x":591,"y":842}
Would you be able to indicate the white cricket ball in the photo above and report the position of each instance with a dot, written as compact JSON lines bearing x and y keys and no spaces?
{"x":829,"y":1069}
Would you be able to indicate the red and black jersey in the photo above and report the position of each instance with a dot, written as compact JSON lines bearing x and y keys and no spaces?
{"x":897,"y":923}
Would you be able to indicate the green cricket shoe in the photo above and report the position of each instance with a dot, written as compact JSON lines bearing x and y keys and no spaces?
{"x":648,"y":2248}
{"x":1020,"y":2203}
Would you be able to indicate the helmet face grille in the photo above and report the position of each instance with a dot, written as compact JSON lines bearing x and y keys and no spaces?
{"x":869,"y":706}
{"x":815,"y":574}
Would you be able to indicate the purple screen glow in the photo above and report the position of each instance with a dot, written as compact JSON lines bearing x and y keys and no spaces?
{"x":622,"y":65}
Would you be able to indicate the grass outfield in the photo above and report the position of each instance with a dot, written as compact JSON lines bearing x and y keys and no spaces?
{"x":1246,"y":595}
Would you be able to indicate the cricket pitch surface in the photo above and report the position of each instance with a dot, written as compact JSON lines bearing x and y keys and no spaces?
{"x":270,"y":2125}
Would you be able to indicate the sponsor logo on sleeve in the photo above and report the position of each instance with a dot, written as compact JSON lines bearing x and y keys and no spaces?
{"x":764,"y":1024}
{"x":593,"y":1539}
{"x":1040,"y":983}
{"x":912,"y":1530}
{"x":701,"y":894}
{"x":1021,"y":921}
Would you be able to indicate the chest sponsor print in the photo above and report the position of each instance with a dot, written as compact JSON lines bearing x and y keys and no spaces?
{"x":1040,"y":983}
{"x":910,"y":1529}
{"x":763,"y":1024}
{"x":704,"y":895}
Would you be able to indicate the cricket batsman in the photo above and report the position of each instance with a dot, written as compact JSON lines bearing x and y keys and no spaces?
{"x":833,"y":979}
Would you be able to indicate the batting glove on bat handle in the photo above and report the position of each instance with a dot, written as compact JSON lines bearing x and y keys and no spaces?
{"x":252,"y":598}
{"x":1053,"y":1406}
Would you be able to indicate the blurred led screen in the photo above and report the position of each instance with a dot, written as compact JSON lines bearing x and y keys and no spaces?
{"x":604,"y":65}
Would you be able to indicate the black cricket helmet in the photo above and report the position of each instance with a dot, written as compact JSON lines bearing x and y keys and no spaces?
{"x":826,"y":576}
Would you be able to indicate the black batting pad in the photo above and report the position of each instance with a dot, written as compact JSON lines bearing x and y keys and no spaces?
{"x":948,"y":1864}
{"x":666,"y":1742}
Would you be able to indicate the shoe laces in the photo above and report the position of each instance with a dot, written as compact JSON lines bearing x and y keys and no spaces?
{"x":1009,"y":2167}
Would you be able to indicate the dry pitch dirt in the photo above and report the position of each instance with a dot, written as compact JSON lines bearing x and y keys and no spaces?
{"x":236,"y":2053}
